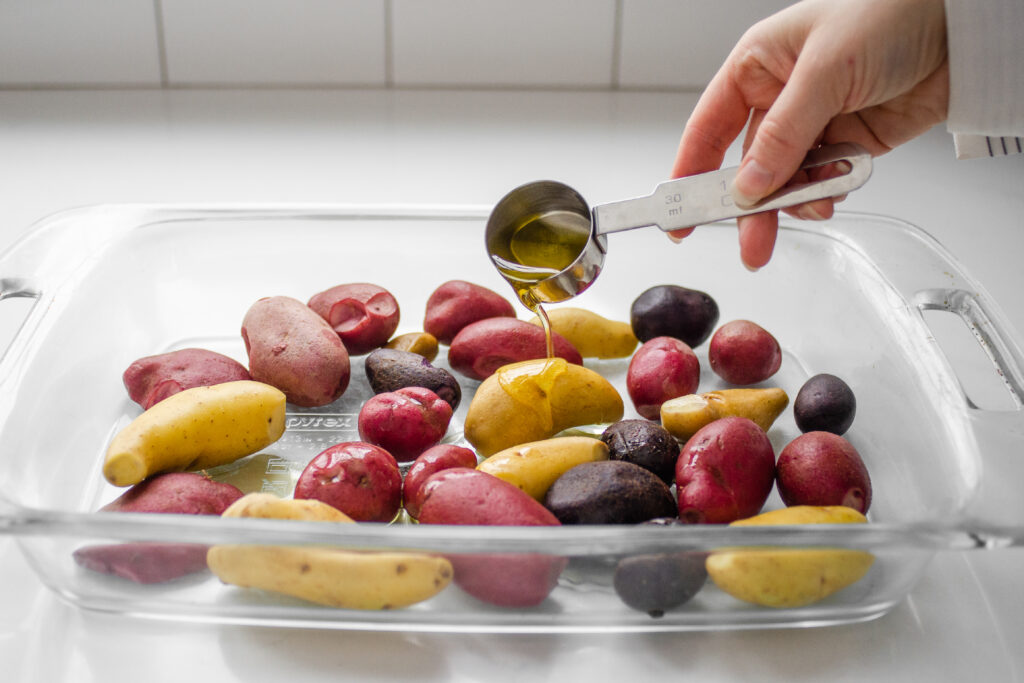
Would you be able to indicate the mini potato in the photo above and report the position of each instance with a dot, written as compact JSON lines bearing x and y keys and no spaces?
{"x":336,"y":578}
{"x":684,"y":416}
{"x":790,"y":577}
{"x":195,"y":429}
{"x":594,"y":336}
{"x":534,"y":400}
{"x":534,"y":467}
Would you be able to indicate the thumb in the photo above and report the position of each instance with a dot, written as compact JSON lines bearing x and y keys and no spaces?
{"x":790,"y":127}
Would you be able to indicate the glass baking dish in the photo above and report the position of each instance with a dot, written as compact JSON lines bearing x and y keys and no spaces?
{"x":851,"y":296}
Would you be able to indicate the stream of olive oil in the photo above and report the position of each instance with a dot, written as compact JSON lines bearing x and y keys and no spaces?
{"x":529,"y":252}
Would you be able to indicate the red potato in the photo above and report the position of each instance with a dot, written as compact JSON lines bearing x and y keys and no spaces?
{"x":486,"y":345}
{"x":434,"y":459}
{"x":177,"y":493}
{"x":405,"y":422}
{"x":360,"y":479}
{"x":662,"y":369}
{"x":292,"y":348}
{"x":151,"y":379}
{"x":457,"y":303}
{"x":364,"y":315}
{"x":742,"y":352}
{"x":725,"y":472}
{"x":187,"y":493}
{"x":821,"y":468}
{"x":468,"y":496}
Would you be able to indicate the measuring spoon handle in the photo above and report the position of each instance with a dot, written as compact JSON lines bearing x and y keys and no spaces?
{"x":707,"y":197}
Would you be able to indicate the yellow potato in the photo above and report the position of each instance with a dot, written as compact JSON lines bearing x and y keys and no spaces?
{"x":534,"y":400}
{"x":196,"y":429}
{"x":534,"y":467}
{"x":685,"y":415}
{"x":780,"y":577}
{"x":594,"y":336}
{"x":336,"y":578}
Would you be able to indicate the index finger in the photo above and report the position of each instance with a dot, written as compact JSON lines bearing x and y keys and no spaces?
{"x":717,"y":120}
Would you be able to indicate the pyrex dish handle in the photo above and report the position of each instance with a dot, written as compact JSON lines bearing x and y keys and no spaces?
{"x":993,"y":441}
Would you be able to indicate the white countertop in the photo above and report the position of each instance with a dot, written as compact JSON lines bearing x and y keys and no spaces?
{"x":64,"y":149}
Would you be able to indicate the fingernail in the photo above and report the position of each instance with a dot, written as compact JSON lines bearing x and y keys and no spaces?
{"x":752,"y":182}
{"x":809,"y":213}
{"x":752,"y":269}
{"x":675,"y":239}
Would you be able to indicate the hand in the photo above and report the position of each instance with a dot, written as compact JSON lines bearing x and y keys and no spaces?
{"x":821,"y":71}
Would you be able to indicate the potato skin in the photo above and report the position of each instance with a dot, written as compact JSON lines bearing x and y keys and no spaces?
{"x":742,"y":352}
{"x":420,"y":343}
{"x":822,"y":468}
{"x":405,"y":422}
{"x":643,"y":443}
{"x":393,"y":369}
{"x":364,"y":315}
{"x":534,"y":400}
{"x":336,"y":578}
{"x":196,"y":429}
{"x":436,"y":458}
{"x":151,"y":379}
{"x":292,"y":348}
{"x":458,"y":303}
{"x":725,"y":472}
{"x":593,"y":335}
{"x":674,"y":311}
{"x":480,"y":348}
{"x":187,"y":493}
{"x":534,"y":467}
{"x":175,"y":493}
{"x":467,"y":496}
{"x":360,"y":479}
{"x":662,"y":369}
{"x":609,"y":492}
{"x":790,"y":577}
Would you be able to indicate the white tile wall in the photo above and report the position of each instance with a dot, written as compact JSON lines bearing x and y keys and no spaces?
{"x":502,"y":43}
{"x":681,"y":43}
{"x":74,"y":42}
{"x":644,"y":44}
{"x":240,"y":42}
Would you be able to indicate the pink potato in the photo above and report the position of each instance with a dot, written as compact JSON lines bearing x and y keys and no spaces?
{"x":177,"y":493}
{"x":742,"y":352}
{"x":725,"y":472}
{"x":187,"y":493}
{"x":457,"y":303}
{"x":434,"y":459}
{"x":151,"y":379}
{"x":468,"y":496}
{"x":486,"y":345}
{"x":364,"y":315}
{"x":821,"y":468}
{"x":360,"y":479}
{"x":292,"y":348}
{"x":662,"y":369}
{"x":405,"y":422}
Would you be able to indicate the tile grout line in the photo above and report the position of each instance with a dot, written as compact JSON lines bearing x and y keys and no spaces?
{"x":161,"y":45}
{"x":617,"y":46}
{"x":389,"y":45}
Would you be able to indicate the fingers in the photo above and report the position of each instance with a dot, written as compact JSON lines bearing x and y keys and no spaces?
{"x":757,"y":238}
{"x":790,"y":127}
{"x":719,"y":117}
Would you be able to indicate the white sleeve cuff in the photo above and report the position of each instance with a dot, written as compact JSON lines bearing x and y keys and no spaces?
{"x":986,"y":66}
{"x":974,"y":146}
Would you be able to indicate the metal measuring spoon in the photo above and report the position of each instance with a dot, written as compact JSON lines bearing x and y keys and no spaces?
{"x":550,"y":246}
